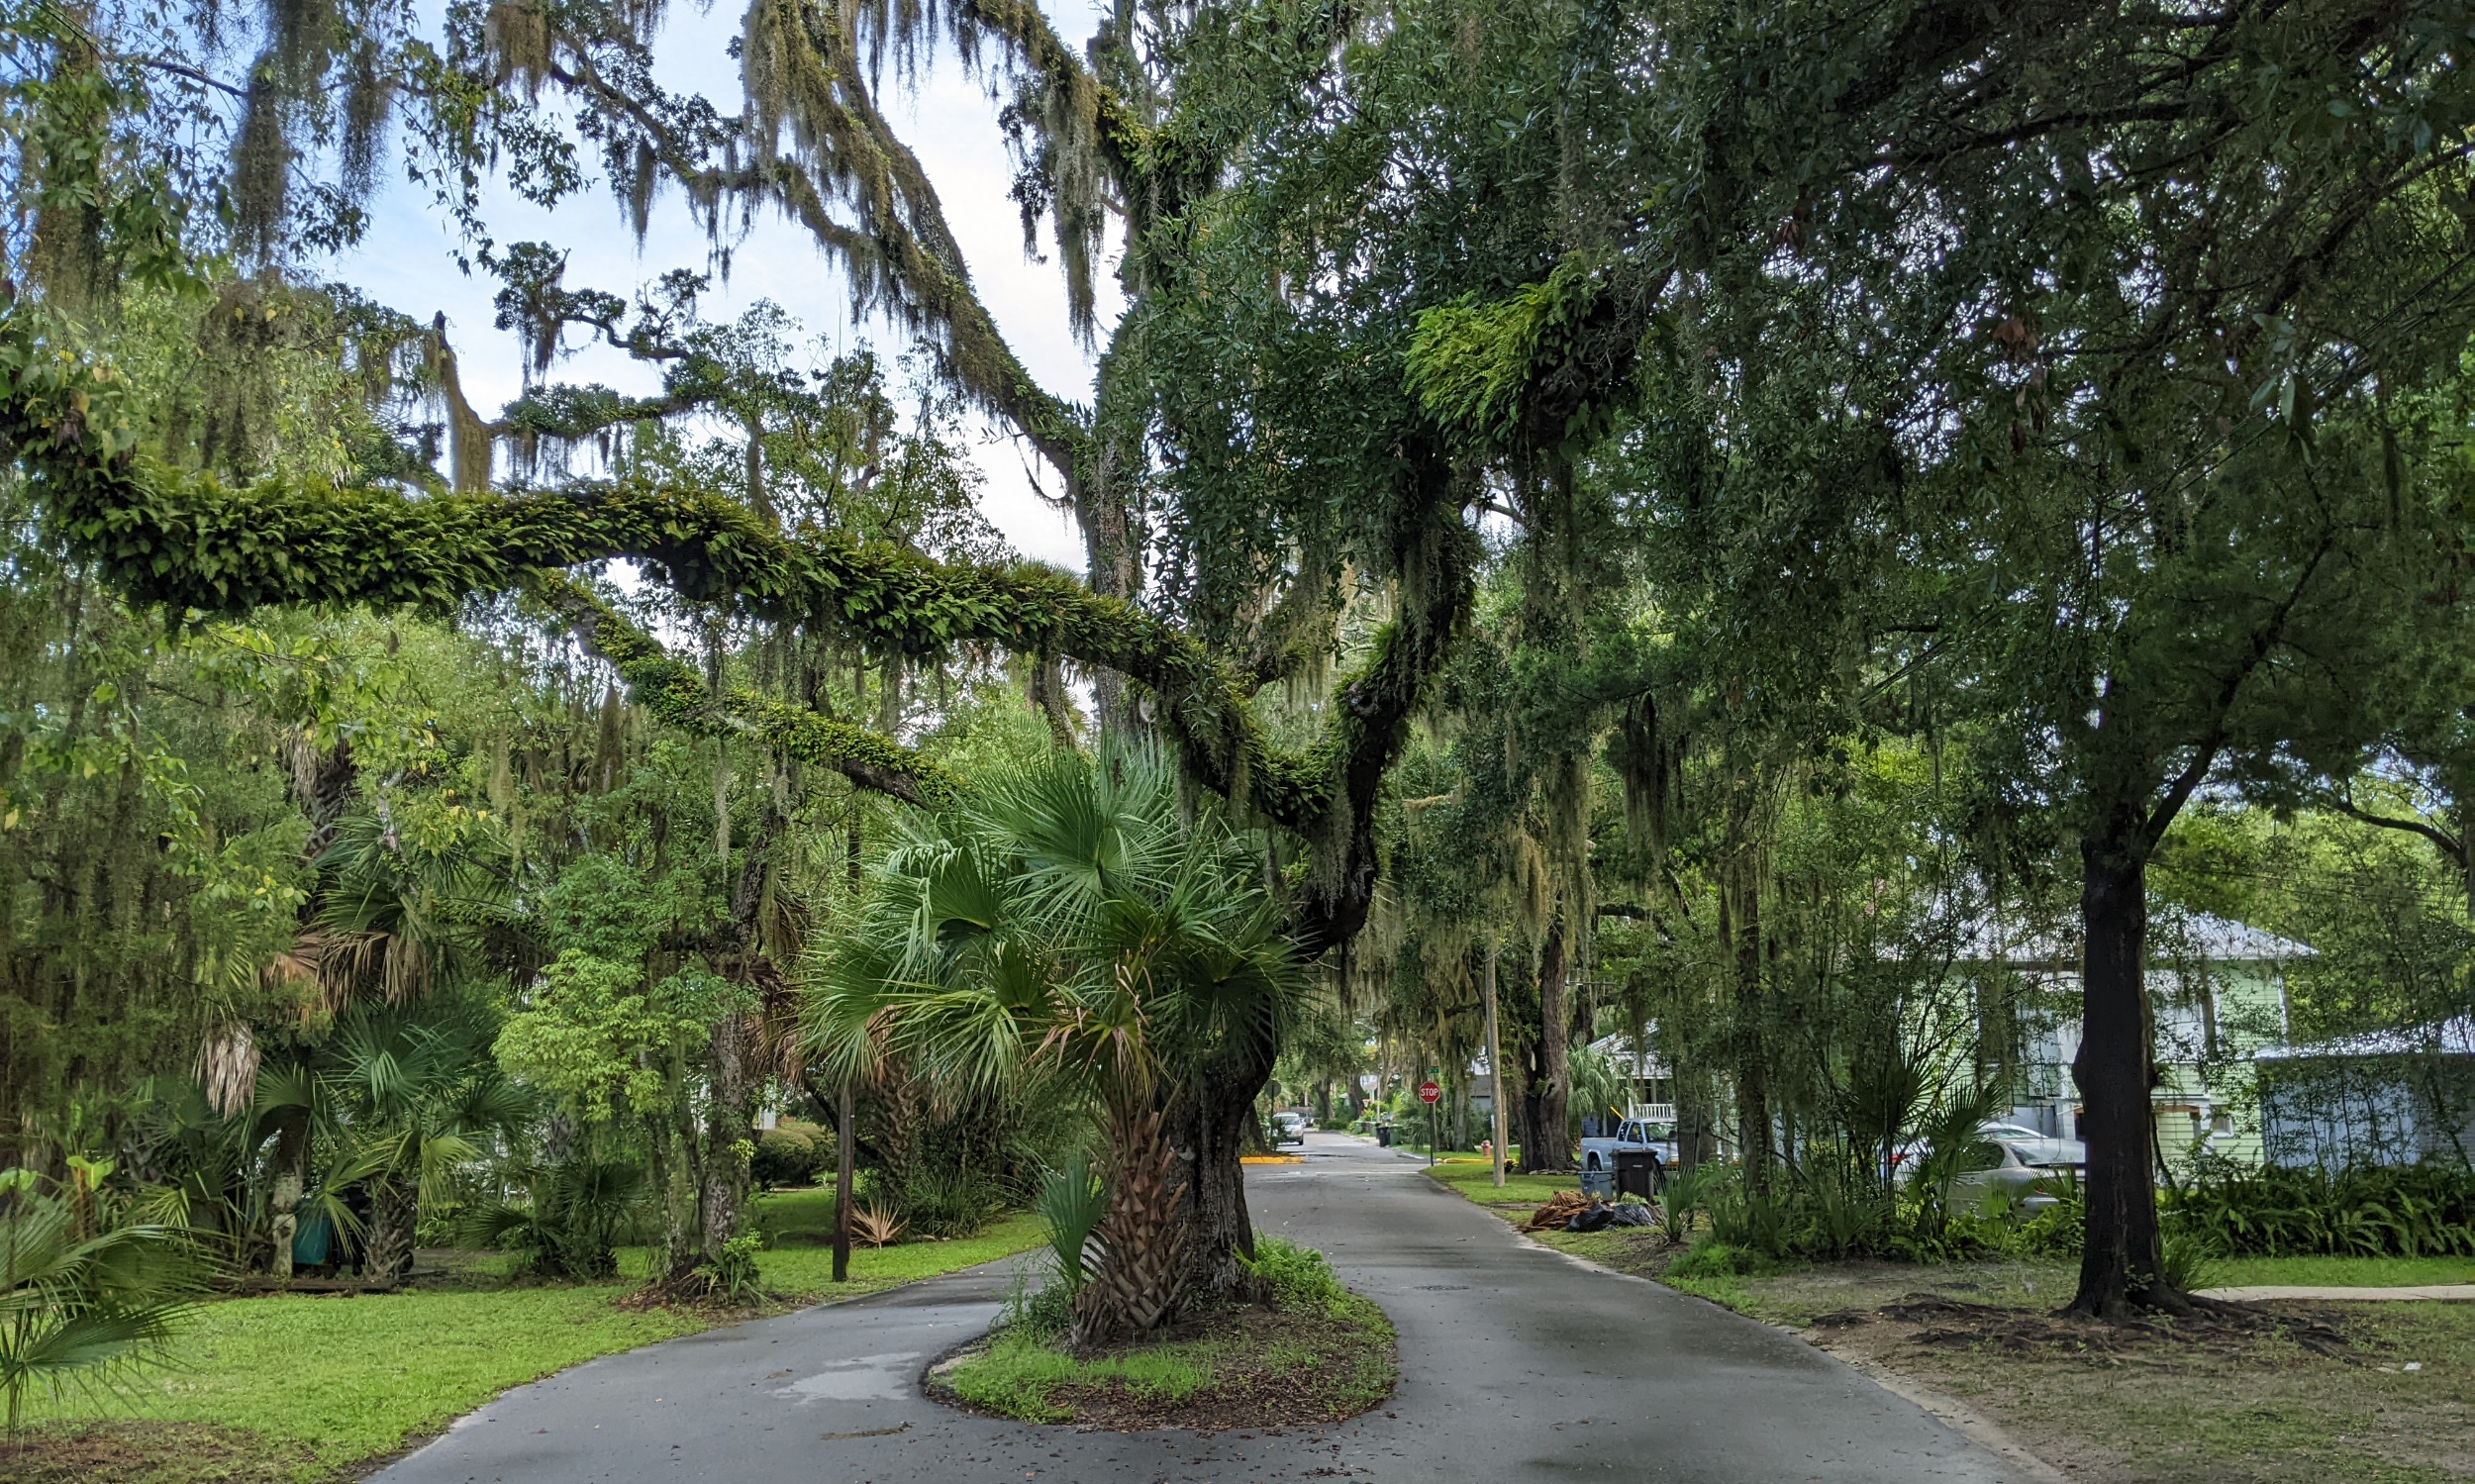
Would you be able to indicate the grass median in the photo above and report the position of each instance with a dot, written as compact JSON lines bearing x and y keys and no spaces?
{"x":295,"y":1389}
{"x":1310,"y":1352}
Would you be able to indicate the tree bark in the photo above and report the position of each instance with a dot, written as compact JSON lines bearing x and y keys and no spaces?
{"x":846,"y":1170}
{"x":1209,"y":1122}
{"x":1495,"y":1073}
{"x":2122,"y":1262}
{"x":387,"y":1250}
{"x":1740,"y":924}
{"x":1547,"y":1145}
{"x":722,"y":1195}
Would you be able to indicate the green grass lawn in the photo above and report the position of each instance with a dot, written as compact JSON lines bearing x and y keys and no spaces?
{"x":319,"y":1384}
{"x":1475,"y":1177}
{"x":328,"y":1381}
{"x":2343,"y":1272}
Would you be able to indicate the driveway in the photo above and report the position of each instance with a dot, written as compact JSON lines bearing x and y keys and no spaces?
{"x":1516,"y":1363}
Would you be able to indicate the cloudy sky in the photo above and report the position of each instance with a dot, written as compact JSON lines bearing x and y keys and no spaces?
{"x":408,"y":261}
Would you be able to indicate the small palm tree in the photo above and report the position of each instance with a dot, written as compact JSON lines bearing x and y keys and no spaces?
{"x":1072,"y":923}
{"x":85,"y":1297}
{"x":569,"y":1225}
{"x":397,"y":1102}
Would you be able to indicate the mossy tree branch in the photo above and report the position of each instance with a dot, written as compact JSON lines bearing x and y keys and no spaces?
{"x":676,"y":696}
{"x":189,"y":542}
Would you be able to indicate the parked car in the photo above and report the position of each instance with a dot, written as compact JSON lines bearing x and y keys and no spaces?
{"x":1289,"y":1126}
{"x":2007,"y":1156}
{"x":1632,"y":1133}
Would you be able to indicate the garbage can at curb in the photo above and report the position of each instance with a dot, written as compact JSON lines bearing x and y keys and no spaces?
{"x":1598,"y":1185}
{"x":1637,"y":1173}
{"x":1383,"y":1135}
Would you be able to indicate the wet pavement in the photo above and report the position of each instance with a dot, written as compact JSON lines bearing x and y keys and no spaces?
{"x":1517,"y":1364}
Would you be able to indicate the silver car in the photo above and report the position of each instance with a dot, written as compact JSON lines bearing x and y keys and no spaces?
{"x":2010,"y":1158}
{"x":2024,"y":1165}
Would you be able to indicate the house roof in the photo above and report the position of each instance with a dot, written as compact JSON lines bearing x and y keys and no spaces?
{"x":1619,"y":1045}
{"x":2216,"y":939}
{"x":2449,"y":1039}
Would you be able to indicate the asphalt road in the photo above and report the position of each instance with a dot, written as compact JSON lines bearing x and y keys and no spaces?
{"x":1516,"y":1364}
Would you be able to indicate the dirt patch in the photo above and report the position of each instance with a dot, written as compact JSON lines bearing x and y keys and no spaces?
{"x":149,"y":1453}
{"x":2268,"y":1392}
{"x":2225,"y":1331}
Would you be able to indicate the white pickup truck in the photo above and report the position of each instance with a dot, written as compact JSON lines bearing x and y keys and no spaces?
{"x":1632,"y":1133}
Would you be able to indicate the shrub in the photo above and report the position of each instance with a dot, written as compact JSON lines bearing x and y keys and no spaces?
{"x":790,"y":1155}
{"x":569,"y":1225}
{"x":1684,"y":1196}
{"x":2370,"y":1210}
{"x":86,"y":1295}
{"x":1712,"y":1259}
{"x":1040,"y":1314}
{"x":945,"y":1201}
{"x":1764,"y":1223}
{"x":730,"y":1276}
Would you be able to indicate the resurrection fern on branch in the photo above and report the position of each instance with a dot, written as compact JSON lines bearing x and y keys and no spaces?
{"x":190,"y":542}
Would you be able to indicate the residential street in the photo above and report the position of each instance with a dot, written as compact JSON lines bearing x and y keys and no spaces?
{"x":1517,"y":1364}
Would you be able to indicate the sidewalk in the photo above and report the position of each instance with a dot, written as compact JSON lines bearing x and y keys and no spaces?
{"x":2447,"y":1293}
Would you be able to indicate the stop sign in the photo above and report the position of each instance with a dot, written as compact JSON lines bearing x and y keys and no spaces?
{"x":1429,"y":1092}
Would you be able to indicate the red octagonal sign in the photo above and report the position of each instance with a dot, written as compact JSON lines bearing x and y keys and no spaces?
{"x":1429,"y":1092}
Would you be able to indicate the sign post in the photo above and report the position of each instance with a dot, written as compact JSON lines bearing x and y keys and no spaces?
{"x":1429,"y":1093}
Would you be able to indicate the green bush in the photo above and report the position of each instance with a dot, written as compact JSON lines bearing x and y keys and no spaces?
{"x":571,"y":1224}
{"x":2371,"y":1211}
{"x":1038,"y":1314}
{"x":790,"y":1155}
{"x":1071,"y":1201}
{"x":730,"y":1276}
{"x":944,"y":1201}
{"x":1772,"y":1225}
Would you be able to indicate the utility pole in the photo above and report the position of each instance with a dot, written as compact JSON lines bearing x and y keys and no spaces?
{"x":843,"y":1176}
{"x":1495,"y":1069}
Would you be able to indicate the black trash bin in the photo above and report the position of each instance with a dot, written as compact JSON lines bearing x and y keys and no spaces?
{"x":1383,"y":1135}
{"x":1639,"y":1173}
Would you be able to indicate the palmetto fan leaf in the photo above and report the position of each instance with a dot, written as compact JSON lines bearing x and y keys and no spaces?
{"x":79,"y":1308}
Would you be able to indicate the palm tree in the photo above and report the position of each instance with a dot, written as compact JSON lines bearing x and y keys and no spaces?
{"x":397,"y":1102}
{"x":84,"y":1295}
{"x":1073,"y":922}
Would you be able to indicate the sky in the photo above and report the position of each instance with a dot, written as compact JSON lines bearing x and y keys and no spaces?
{"x":407,"y":261}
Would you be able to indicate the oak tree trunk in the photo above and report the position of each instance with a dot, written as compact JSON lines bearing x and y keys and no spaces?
{"x":1209,"y":1124}
{"x":2122,"y":1262}
{"x":1552,"y":1149}
{"x":722,"y":1195}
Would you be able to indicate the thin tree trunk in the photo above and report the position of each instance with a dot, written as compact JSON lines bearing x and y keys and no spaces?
{"x":2122,"y":1262}
{"x":1741,"y":926}
{"x":1495,"y":1069}
{"x":846,"y":1170}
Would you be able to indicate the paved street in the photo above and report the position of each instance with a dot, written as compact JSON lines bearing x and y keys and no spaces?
{"x":1517,"y":1364}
